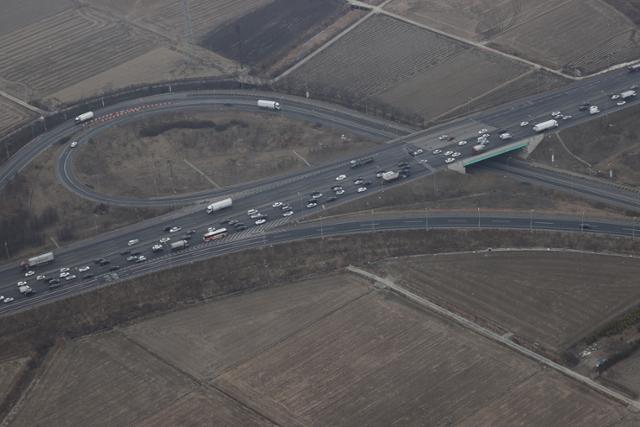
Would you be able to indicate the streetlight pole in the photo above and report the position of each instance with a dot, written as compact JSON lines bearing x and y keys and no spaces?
{"x":582,"y":222}
{"x":633,"y":229}
{"x":531,"y":221}
{"x":478,"y":217}
{"x":426,"y":219}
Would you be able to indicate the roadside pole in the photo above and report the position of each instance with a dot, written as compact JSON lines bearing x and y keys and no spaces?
{"x":478,"y":218}
{"x":531,"y":221}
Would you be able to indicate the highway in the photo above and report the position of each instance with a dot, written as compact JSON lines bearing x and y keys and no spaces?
{"x":295,"y":189}
{"x":290,"y":232}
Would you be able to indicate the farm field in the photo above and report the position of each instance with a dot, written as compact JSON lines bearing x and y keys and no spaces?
{"x":580,"y":37}
{"x":157,"y":156}
{"x":12,"y":115}
{"x":550,"y":298}
{"x":629,"y":8}
{"x":19,"y":13}
{"x":388,"y":61}
{"x":603,"y":144}
{"x":208,"y":339}
{"x":380,"y":360}
{"x":10,"y":370}
{"x":626,"y":373}
{"x":106,"y":380}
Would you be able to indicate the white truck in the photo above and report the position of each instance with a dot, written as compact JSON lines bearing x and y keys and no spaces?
{"x":84,"y":117}
{"x":220,"y":204}
{"x":271,"y":105}
{"x":37,"y":260}
{"x":180,"y":244}
{"x":478,"y":148}
{"x":594,"y":110}
{"x":548,"y":124}
{"x":390,"y":176}
{"x":504,"y":136}
{"x":627,"y":94}
{"x":25,"y":289}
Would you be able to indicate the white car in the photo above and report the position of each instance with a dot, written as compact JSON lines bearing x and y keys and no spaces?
{"x":70,"y":277}
{"x":22,"y":283}
{"x":252,"y":212}
{"x":505,"y":136}
{"x":556,"y":114}
{"x":41,"y":277}
{"x":448,"y":153}
{"x":65,"y":274}
{"x":84,"y":268}
{"x":133,"y":242}
{"x":7,"y":300}
{"x":362,"y":189}
{"x":64,"y":269}
{"x":443,"y":137}
{"x":621,"y":103}
{"x":175,"y":229}
{"x":481,"y":131}
{"x":156,"y":248}
{"x":341,"y":177}
{"x":312,"y":204}
{"x":165,"y":239}
{"x":316,"y":195}
{"x":461,"y":143}
{"x":450,"y":160}
{"x":614,"y":97}
{"x":141,"y":258}
{"x":29,"y":273}
{"x":523,"y":124}
{"x":74,"y":144}
{"x":340,"y":192}
{"x":211,"y":229}
{"x":260,"y":221}
{"x":257,"y":215}
{"x":277,"y":204}
{"x":567,"y":117}
{"x":436,"y":151}
{"x":287,"y":213}
{"x":456,"y":154}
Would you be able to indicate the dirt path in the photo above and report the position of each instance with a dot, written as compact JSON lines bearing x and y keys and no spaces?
{"x":22,"y":103}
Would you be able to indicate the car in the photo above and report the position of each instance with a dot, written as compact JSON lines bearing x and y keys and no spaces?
{"x":165,"y":239}
{"x":238,"y":225}
{"x":156,"y":248}
{"x":225,"y":221}
{"x":316,"y":195}
{"x":233,"y":222}
{"x":133,"y":242}
{"x":175,"y":229}
{"x":71,"y":277}
{"x":614,"y":97}
{"x":417,"y":152}
{"x":331,"y":199}
{"x":358,"y":181}
{"x":192,"y":231}
{"x":114,"y":268}
{"x":64,"y":269}
{"x":141,"y":258}
{"x":29,"y":273}
{"x":84,"y":268}
{"x":167,"y":228}
{"x":53,"y":281}
{"x":289,"y":213}
{"x":125,"y":253}
{"x":65,"y":274}
{"x":74,"y":144}
{"x":185,"y":237}
{"x":88,"y":276}
{"x":448,"y":153}
{"x":136,"y":253}
{"x":336,"y":188}
{"x":7,"y":300}
{"x":312,"y":204}
{"x":132,"y":258}
{"x":481,"y":131}
{"x":362,"y":189}
{"x":523,"y":124}
{"x":556,"y":113}
{"x":277,"y":204}
{"x":260,"y":221}
{"x":103,"y":261}
{"x":256,"y":216}
{"x":485,"y":135}
{"x":450,"y":160}
{"x":583,"y":107}
{"x":369,"y":183}
{"x":461,"y":143}
{"x":436,"y":151}
{"x":339,"y":192}
{"x":503,"y":136}
{"x":341,"y":177}
{"x":41,"y":277}
{"x":211,"y":229}
{"x":286,"y":207}
{"x":380,"y":173}
{"x":241,"y":227}
{"x":443,"y":137}
{"x":621,"y":103}
{"x":252,"y":212}
{"x":402,"y":164}
{"x":456,"y":154}
{"x":22,"y":283}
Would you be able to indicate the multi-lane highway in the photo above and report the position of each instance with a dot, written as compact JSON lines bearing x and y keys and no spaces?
{"x":295,"y":189}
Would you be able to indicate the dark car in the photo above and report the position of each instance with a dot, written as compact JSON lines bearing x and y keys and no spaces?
{"x":186,"y":237}
{"x":403,"y":164}
{"x":241,"y":227}
{"x":238,"y":225}
{"x":88,"y":276}
{"x":234,"y":222}
{"x":167,"y":228}
{"x":331,"y":199}
{"x":53,"y":281}
{"x":104,"y":261}
{"x":136,"y":253}
{"x":225,"y":221}
{"x":125,"y":253}
{"x":190,"y":232}
{"x":114,"y":268}
{"x":55,"y":285}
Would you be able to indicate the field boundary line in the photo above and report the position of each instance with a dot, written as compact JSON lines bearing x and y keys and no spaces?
{"x":500,"y":339}
{"x":23,"y":103}
{"x":204,"y":175}
{"x":581,"y":160}
{"x":301,"y":158}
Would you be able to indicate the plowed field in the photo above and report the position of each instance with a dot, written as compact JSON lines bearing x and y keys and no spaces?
{"x":12,"y":115}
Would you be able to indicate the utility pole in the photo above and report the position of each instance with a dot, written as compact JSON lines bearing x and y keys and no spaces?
{"x":426,"y":219}
{"x":478,"y":217}
{"x":531,"y":221}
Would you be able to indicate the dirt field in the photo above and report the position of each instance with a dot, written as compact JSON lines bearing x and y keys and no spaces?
{"x":579,"y":36}
{"x":394,"y":63}
{"x":629,"y":8}
{"x":12,"y":116}
{"x":626,"y":373}
{"x":228,"y":147}
{"x":20,"y":13}
{"x":603,"y":144}
{"x":9,"y":372}
{"x":553,"y":299}
{"x":260,"y":37}
{"x":43,"y":211}
{"x":210,"y":332}
{"x":106,"y":380}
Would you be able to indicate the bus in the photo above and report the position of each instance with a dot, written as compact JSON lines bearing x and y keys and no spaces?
{"x":215,"y":234}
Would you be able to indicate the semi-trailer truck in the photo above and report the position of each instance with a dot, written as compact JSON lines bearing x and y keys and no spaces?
{"x":478,"y":148}
{"x":271,"y":105}
{"x":25,"y":289}
{"x":84,"y":117}
{"x":542,"y":126}
{"x":390,"y":176}
{"x":180,"y":244}
{"x":37,"y":260}
{"x":220,"y":204}
{"x":627,"y":94}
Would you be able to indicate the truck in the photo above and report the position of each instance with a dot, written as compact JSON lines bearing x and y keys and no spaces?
{"x":84,"y":117}
{"x":542,"y":126}
{"x":360,"y":162}
{"x":25,"y":289}
{"x":220,"y":204}
{"x":37,"y":260}
{"x":505,"y":135}
{"x":180,"y":244}
{"x":594,"y":110}
{"x":634,"y":67}
{"x":478,"y":148}
{"x":270,"y":105}
{"x":390,"y":176}
{"x":628,"y":94}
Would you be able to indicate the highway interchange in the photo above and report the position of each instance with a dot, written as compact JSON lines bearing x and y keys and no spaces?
{"x":295,"y":189}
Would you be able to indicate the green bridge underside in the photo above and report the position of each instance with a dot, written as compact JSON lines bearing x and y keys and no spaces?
{"x":493,"y":153}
